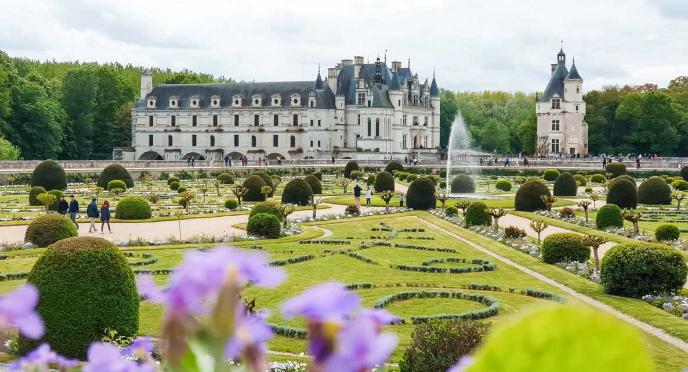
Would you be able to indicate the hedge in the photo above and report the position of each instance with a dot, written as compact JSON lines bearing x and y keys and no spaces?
{"x":225,"y":178}
{"x":49,"y":175}
{"x":35,"y":191}
{"x":451,"y":211}
{"x":133,"y":208}
{"x":267,"y":207}
{"x":297,"y":191}
{"x":491,"y":310}
{"x":254,"y":183}
{"x":47,"y":229}
{"x":503,"y":185}
{"x":654,"y":190}
{"x":231,"y":204}
{"x":580,"y":179}
{"x":666,"y":232}
{"x":57,"y":194}
{"x":623,"y":194}
{"x":115,"y":172}
{"x":476,"y":214}
{"x":264,"y":225}
{"x":314,"y":183}
{"x":116,"y":184}
{"x":598,"y":178}
{"x":528,"y":196}
{"x":174,"y":185}
{"x":394,"y":166}
{"x":172,"y":179}
{"x":550,"y":174}
{"x":462,"y":183}
{"x":616,"y":169}
{"x":680,"y":185}
{"x":609,"y":216}
{"x":565,"y":185}
{"x":421,"y":194}
{"x":564,"y":247}
{"x":622,"y":177}
{"x":268,"y":181}
{"x":350,"y":167}
{"x":384,"y":181}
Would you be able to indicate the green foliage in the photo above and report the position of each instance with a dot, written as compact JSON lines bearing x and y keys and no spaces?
{"x":384,"y":181}
{"x":231,"y":204}
{"x":564,"y":247}
{"x":680,"y":185}
{"x":462,"y":183}
{"x":352,"y":210}
{"x":174,"y":185}
{"x":476,"y":214}
{"x":528,"y":197}
{"x":268,"y":182}
{"x":580,"y":179}
{"x":616,"y":169}
{"x":640,"y":268}
{"x":598,"y":178}
{"x":684,"y":172}
{"x":50,"y":175}
{"x":370,"y":180}
{"x":622,"y":193}
{"x":35,"y":191}
{"x":181,"y":189}
{"x":550,"y":174}
{"x":46,"y":229}
{"x":421,"y":194}
{"x":503,"y":185}
{"x":654,"y":190}
{"x":264,"y":225}
{"x":57,"y":194}
{"x":401,"y":175}
{"x":666,"y":232}
{"x":225,"y":178}
{"x":394,"y":166}
{"x":116,"y":184}
{"x":254,"y":183}
{"x":133,"y":208}
{"x":314,"y":183}
{"x":297,"y":191}
{"x":451,"y":211}
{"x":8,"y":151}
{"x":622,"y":177}
{"x":411,"y":178}
{"x":267,"y":207}
{"x":609,"y":216}
{"x":565,"y":185}
{"x":85,"y":286}
{"x":115,"y":172}
{"x":172,"y":179}
{"x":350,"y":167}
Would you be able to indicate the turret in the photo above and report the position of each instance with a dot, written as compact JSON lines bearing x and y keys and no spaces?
{"x":358,"y":62}
{"x":573,"y":85}
{"x":434,"y":96}
{"x":146,"y":83}
{"x":395,"y":94}
{"x":332,"y":79}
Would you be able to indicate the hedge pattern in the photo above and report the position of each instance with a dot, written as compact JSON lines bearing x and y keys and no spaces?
{"x":491,"y":310}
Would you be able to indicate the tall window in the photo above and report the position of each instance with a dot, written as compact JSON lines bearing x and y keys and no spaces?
{"x":275,"y":120}
{"x":212,"y":141}
{"x":359,"y":119}
{"x":150,"y":140}
{"x":169,"y":140}
{"x":311,"y":122}
{"x":555,"y":124}
{"x":236,"y":140}
{"x":425,"y":142}
{"x":150,"y":121}
{"x":256,"y":120}
{"x":296,"y":120}
{"x":292,"y":141}
{"x":214,"y":120}
{"x":415,"y":120}
{"x":403,"y":141}
{"x":425,"y":122}
{"x":173,"y":120}
{"x":377,"y":127}
{"x":576,"y":107}
{"x":311,"y":143}
{"x":319,"y":122}
{"x":318,"y":143}
{"x":253,"y":141}
{"x":556,"y":103}
{"x":555,"y":145}
{"x":403,"y":119}
{"x":360,"y":98}
{"x":275,"y":140}
{"x":369,"y":127}
{"x":578,"y":90}
{"x":193,"y":140}
{"x":236,"y":120}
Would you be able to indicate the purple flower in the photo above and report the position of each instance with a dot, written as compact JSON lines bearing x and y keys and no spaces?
{"x":104,"y":357}
{"x":380,"y":316}
{"x":361,"y":346}
{"x":463,"y":364}
{"x":18,"y":308}
{"x":141,"y":346}
{"x":250,"y":331}
{"x":325,"y":302}
{"x":39,"y":360}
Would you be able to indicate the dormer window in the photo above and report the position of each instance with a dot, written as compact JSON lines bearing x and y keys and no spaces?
{"x":174,"y":102}
{"x":195,"y":102}
{"x":295,"y":100}
{"x":275,"y":100}
{"x":215,"y":101}
{"x":556,"y":103}
{"x":236,"y":101}
{"x":256,"y":100}
{"x":311,"y":100}
{"x":151,"y":102}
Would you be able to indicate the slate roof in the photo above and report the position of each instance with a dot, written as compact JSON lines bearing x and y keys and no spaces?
{"x":395,"y":83}
{"x":434,"y":89}
{"x":556,"y":83}
{"x":573,"y":74}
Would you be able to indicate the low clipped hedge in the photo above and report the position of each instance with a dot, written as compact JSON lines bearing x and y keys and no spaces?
{"x":421,"y":194}
{"x":266,"y":207}
{"x":640,"y":268}
{"x":654,"y":190}
{"x":462,"y":183}
{"x":451,"y":211}
{"x":564,"y":247}
{"x":565,"y":185}
{"x":35,"y":191}
{"x":50,"y":175}
{"x":115,"y":172}
{"x":384,"y":181}
{"x":174,"y":185}
{"x":623,"y":194}
{"x":49,"y":228}
{"x":116,"y":184}
{"x":609,"y":216}
{"x":476,"y":214}
{"x":550,"y":174}
{"x":528,"y":196}
{"x":598,"y":178}
{"x":264,"y":225}
{"x":667,"y":232}
{"x":225,"y":178}
{"x":314,"y":183}
{"x":580,"y":179}
{"x":231,"y":204}
{"x":297,"y":191}
{"x":350,"y":167}
{"x":254,"y":183}
{"x":503,"y":185}
{"x":172,"y":179}
{"x":86,"y":286}
{"x":616,"y":169}
{"x":133,"y":208}
{"x":394,"y":166}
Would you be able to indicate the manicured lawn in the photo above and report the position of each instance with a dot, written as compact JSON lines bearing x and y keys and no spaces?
{"x":507,"y":203}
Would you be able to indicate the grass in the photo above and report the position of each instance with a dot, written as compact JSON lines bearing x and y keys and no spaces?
{"x":506,"y":203}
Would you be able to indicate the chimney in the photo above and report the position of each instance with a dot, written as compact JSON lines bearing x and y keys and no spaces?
{"x":358,"y":62}
{"x":396,"y":65}
{"x":347,"y":62}
{"x":554,"y":67}
{"x":332,"y":79}
{"x":146,"y":83}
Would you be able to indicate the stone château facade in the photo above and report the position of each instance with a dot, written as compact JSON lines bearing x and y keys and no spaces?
{"x":361,"y":111}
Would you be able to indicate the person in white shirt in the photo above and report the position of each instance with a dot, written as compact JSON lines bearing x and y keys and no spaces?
{"x":368,"y":196}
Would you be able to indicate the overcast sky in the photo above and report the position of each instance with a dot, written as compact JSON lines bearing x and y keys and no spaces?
{"x":472,"y":44}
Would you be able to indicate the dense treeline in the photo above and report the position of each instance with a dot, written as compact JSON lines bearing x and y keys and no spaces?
{"x":71,"y":110}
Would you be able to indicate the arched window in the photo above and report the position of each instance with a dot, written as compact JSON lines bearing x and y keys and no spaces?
{"x":212,"y":140}
{"x":369,"y":127}
{"x":169,"y":140}
{"x":253,"y":141}
{"x":292,"y":141}
{"x":377,"y":127}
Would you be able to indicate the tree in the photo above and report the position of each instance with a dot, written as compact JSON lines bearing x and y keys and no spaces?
{"x":496,"y":214}
{"x":78,"y":100}
{"x":387,"y":196}
{"x":448,"y":110}
{"x":463,"y":205}
{"x":594,"y":242}
{"x":527,"y":134}
{"x":314,"y":204}
{"x":47,"y":199}
{"x":679,"y":196}
{"x":585,"y":204}
{"x":548,"y":201}
{"x":239,"y":191}
{"x":538,"y":226}
{"x":266,"y":191}
{"x":186,"y":197}
{"x":8,"y":151}
{"x":286,"y":210}
{"x":442,"y":198}
{"x":343,"y":183}
{"x":633,"y":216}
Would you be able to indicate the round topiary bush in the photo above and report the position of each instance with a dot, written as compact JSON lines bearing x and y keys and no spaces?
{"x":116,"y":184}
{"x":503,"y":185}
{"x":133,"y":208}
{"x":49,"y":175}
{"x":254,"y":183}
{"x":225,"y":178}
{"x":268,"y":181}
{"x":680,"y":185}
{"x":462,"y":183}
{"x":318,"y":175}
{"x":411,"y":178}
{"x":401,"y":175}
{"x":421,"y":194}
{"x":231,"y":204}
{"x":476,"y":214}
{"x":297,"y":191}
{"x":35,"y":191}
{"x":115,"y":172}
{"x":564,"y":247}
{"x":174,"y":185}
{"x":451,"y":211}
{"x":637,"y":269}
{"x":550,"y":174}
{"x":609,"y":216}
{"x":384,"y":181}
{"x":85,"y":286}
{"x":616,"y":169}
{"x":314,"y":183}
{"x":266,"y":207}
{"x":580,"y":179}
{"x":172,"y":179}
{"x":654,"y":190}
{"x":264,"y":225}
{"x":622,"y":177}
{"x":565,"y":185}
{"x":684,"y":172}
{"x":394,"y":166}
{"x":46,"y":229}
{"x":528,"y":196}
{"x":666,"y":232}
{"x":622,"y":193}
{"x":181,"y":189}
{"x":598,"y":178}
{"x":350,"y":167}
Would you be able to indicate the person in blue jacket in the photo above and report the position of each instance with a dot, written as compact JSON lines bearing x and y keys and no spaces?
{"x":92,"y":214}
{"x":105,"y":216}
{"x":73,"y":209}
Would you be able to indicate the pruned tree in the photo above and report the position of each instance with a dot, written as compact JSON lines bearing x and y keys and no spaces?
{"x":47,"y":199}
{"x":538,"y":226}
{"x":594,"y":242}
{"x":314,"y":204}
{"x":286,"y":209}
{"x":386,"y":196}
{"x":548,"y":201}
{"x":594,"y":197}
{"x":343,"y":183}
{"x":633,"y":217}
{"x":239,"y":192}
{"x":585,"y":204}
{"x":463,"y":205}
{"x":678,"y":196}
{"x":496,"y":214}
{"x":442,"y":198}
{"x":186,"y":197}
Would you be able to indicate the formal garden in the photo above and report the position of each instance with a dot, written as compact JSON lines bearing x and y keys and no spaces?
{"x":566,"y":269}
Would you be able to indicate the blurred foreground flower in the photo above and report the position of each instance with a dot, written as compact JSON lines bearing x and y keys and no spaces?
{"x":42,"y":357}
{"x":18,"y":309}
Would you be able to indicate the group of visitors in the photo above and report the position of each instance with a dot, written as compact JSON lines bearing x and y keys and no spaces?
{"x":358,"y":190}
{"x":92,"y":212}
{"x":409,"y":161}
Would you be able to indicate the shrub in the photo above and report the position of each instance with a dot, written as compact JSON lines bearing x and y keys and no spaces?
{"x":314,"y":183}
{"x":265,"y":225}
{"x":580,"y":179}
{"x":266,"y":207}
{"x":318,"y":175}
{"x":637,"y":269}
{"x":654,"y":190}
{"x":438,"y":344}
{"x":297,"y":191}
{"x":85,"y":286}
{"x":588,"y":190}
{"x":116,"y":184}
{"x":616,"y":169}
{"x":684,"y":172}
{"x":115,"y":172}
{"x":231,"y":204}
{"x":57,"y":194}
{"x":181,"y":189}
{"x":401,"y":175}
{"x":172,"y":179}
{"x":622,"y":193}
{"x":443,"y":185}
{"x":421,"y":194}
{"x":350,"y":167}
{"x":564,"y":247}
{"x":432,"y":179}
{"x":268,"y":181}
{"x":503,"y":185}
{"x":394,"y":166}
{"x":528,"y":196}
{"x":384,"y":181}
{"x":476,"y":214}
{"x":622,"y":177}
{"x":253,"y":183}
{"x":680,"y":185}
{"x":667,"y":232}
{"x":565,"y":185}
{"x":174,"y":185}
{"x":550,"y":174}
{"x":462,"y":183}
{"x":609,"y":216}
{"x":411,"y":178}
{"x":46,"y":229}
{"x":371,"y":179}
{"x":49,"y":175}
{"x":566,"y":212}
{"x":513,"y":232}
{"x":133,"y":208}
{"x":451,"y":211}
{"x":35,"y":191}
{"x":352,"y":210}
{"x":225,"y":178}
{"x":598,"y":178}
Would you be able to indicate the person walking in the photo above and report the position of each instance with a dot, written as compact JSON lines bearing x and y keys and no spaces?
{"x":73,"y":209}
{"x":105,"y":216}
{"x":637,"y":162}
{"x":357,"y":195}
{"x":604,"y":162}
{"x":368,"y":196}
{"x":401,"y":199}
{"x":62,"y":206}
{"x":92,"y":214}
